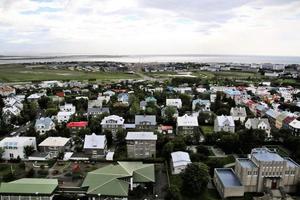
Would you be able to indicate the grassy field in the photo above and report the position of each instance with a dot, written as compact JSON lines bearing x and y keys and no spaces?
{"x":21,"y":74}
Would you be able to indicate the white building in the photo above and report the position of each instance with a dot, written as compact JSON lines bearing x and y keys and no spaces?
{"x":187,"y":124}
{"x":112,"y":123}
{"x":95,"y":145}
{"x":238,"y":114}
{"x":174,"y":102}
{"x":14,"y":146}
{"x":224,"y":123}
{"x":66,"y":111}
{"x":259,"y":123}
{"x":180,"y":160}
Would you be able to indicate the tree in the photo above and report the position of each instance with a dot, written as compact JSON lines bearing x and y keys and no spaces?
{"x":167,"y":150}
{"x":120,"y":136}
{"x":109,"y":138}
{"x":173,"y":193}
{"x":169,"y":114}
{"x":28,"y":150}
{"x":179,"y":144}
{"x":43,"y":102}
{"x":1,"y":152}
{"x":229,"y":142}
{"x":195,"y":178}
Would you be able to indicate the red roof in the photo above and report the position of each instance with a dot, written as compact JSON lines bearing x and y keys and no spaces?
{"x":77,"y":124}
{"x":166,"y":127}
{"x":288,"y":119}
{"x":60,"y":94}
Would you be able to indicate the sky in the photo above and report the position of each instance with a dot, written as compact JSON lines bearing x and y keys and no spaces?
{"x":123,"y":27}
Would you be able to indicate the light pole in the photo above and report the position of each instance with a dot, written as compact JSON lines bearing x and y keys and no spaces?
{"x":99,"y":196}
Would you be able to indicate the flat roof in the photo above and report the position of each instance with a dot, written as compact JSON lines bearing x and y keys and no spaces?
{"x":291,"y":163}
{"x":228,"y":177}
{"x":264,"y":154}
{"x":246,"y":163}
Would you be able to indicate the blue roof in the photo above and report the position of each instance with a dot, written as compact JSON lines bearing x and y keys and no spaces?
{"x":246,"y":163}
{"x":264,"y":154}
{"x":291,"y":163}
{"x":232,"y":92}
{"x":228,"y":177}
{"x":272,"y":113}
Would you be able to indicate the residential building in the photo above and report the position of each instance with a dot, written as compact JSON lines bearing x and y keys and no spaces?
{"x":76,"y":126}
{"x":141,"y":144}
{"x":201,"y":105}
{"x":259,"y":123}
{"x":271,"y":114}
{"x":29,"y":188}
{"x":95,"y":145}
{"x":238,"y":114}
{"x":43,"y":125}
{"x":6,"y":90}
{"x":112,"y":123}
{"x":14,"y":146}
{"x":179,"y":161}
{"x":123,"y":98}
{"x":263,"y":171}
{"x":295,"y":127}
{"x":115,"y":181}
{"x":55,"y":145}
{"x":66,"y":111}
{"x":174,"y":102}
{"x":97,"y":111}
{"x":224,"y":123}
{"x":68,"y":108}
{"x":280,"y":118}
{"x":35,"y":97}
{"x":145,"y":122}
{"x":187,"y":125}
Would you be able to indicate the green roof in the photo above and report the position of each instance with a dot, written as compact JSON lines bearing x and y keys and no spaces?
{"x":110,"y":180}
{"x":29,"y":186}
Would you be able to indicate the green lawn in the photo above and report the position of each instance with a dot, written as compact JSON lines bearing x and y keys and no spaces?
{"x":14,"y":167}
{"x":207,"y":130}
{"x":19,"y":74}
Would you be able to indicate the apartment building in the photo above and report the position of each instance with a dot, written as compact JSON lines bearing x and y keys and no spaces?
{"x":141,"y":144}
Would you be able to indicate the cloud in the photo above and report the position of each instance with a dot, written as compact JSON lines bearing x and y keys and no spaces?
{"x":150,"y":27}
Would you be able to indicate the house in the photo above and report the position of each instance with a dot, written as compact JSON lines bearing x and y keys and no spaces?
{"x":114,"y":181}
{"x":95,"y":145}
{"x":141,"y":144}
{"x":151,"y":99}
{"x":109,"y":93}
{"x":65,"y":113}
{"x":145,"y":122}
{"x":224,"y":123}
{"x":51,"y":84}
{"x":165,"y":129}
{"x":14,"y":146}
{"x":261,"y":110}
{"x":179,"y":161}
{"x":6,"y":90}
{"x":201,"y":105}
{"x":238,"y":114}
{"x":280,"y":118}
{"x":97,"y":111}
{"x":55,"y":145}
{"x":35,"y":97}
{"x":295,"y":127}
{"x":187,"y":125}
{"x":259,"y":123}
{"x":76,"y":126}
{"x":9,"y":112}
{"x":287,"y":121}
{"x":271,"y":114}
{"x":232,"y":92}
{"x":97,"y":103}
{"x":174,"y":102}
{"x":43,"y":125}
{"x":123,"y":98}
{"x":29,"y":188}
{"x":262,"y":171}
{"x":112,"y":123}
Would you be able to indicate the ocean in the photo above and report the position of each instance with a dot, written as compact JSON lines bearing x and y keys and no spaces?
{"x":155,"y":58}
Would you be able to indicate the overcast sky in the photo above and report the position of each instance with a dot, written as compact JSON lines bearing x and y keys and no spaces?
{"x":260,"y":27}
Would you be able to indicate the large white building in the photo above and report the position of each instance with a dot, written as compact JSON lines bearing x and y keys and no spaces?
{"x":112,"y":123}
{"x":65,"y":113}
{"x":180,"y":160}
{"x":187,"y":124}
{"x":43,"y":125}
{"x":224,"y":123}
{"x":14,"y":146}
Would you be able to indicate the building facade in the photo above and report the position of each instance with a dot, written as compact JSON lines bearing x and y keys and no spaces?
{"x":141,"y":144}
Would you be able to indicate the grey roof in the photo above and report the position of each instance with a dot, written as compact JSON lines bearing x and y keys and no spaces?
{"x":246,"y":163}
{"x":291,"y":163}
{"x":141,"y":136}
{"x":139,"y":119}
{"x":256,"y":121}
{"x":94,"y":141}
{"x":238,"y":112}
{"x":98,"y":110}
{"x":265,"y":154}
{"x":44,"y":121}
{"x":228,"y":177}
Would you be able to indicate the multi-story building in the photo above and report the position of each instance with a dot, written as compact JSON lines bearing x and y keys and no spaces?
{"x":55,"y":145}
{"x":14,"y":146}
{"x":187,"y":125}
{"x":112,"y":123}
{"x":95,"y":145}
{"x":295,"y":127}
{"x":145,"y":122}
{"x":141,"y":144}
{"x":174,"y":102}
{"x":224,"y":123}
{"x":264,"y":170}
{"x":43,"y":125}
{"x":259,"y":123}
{"x":238,"y":114}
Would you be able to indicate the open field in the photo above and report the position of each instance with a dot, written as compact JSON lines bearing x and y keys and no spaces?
{"x":19,"y":74}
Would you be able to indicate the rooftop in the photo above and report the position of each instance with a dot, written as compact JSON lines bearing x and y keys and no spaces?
{"x":94,"y":141}
{"x":246,"y":163}
{"x":55,"y":141}
{"x":228,"y":177}
{"x":265,"y":154}
{"x":187,"y":120}
{"x":141,"y":136}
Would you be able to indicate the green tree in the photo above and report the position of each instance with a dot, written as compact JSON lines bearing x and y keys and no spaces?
{"x":43,"y":102}
{"x":173,"y":193}
{"x":169,"y":114}
{"x":195,"y":178}
{"x":28,"y":150}
{"x":167,"y":150}
{"x":1,"y":152}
